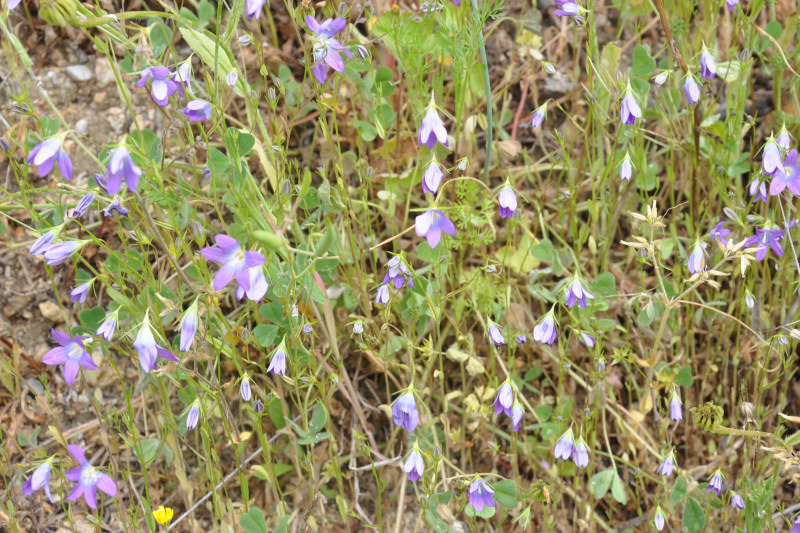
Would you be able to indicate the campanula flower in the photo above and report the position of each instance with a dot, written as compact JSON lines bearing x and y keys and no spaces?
{"x":182,"y":77}
{"x":626,"y":167}
{"x":675,"y":407}
{"x":307,"y":328}
{"x":83,"y":206}
{"x":244,"y":389}
{"x":40,"y":479}
{"x":517,"y":412}
{"x":708,"y":67}
{"x":522,"y":339}
{"x":771,"y":158}
{"x":565,"y":445}
{"x":630,"y":111}
{"x":121,"y":166}
{"x":580,"y":453}
{"x":197,"y":110}
{"x":258,"y":406}
{"x":163,"y":85}
{"x":258,"y":285}
{"x":480,"y":495}
{"x":45,"y":241}
{"x":115,"y":206}
{"x":48,"y":154}
{"x":765,"y":239}
{"x":667,"y":465}
{"x":414,"y":465}
{"x":586,"y":339}
{"x":495,"y":334}
{"x":749,"y":299}
{"x":326,"y":47}
{"x":277,"y":364}
{"x":189,"y":324}
{"x":194,"y":415}
{"x":232,"y":78}
{"x":539,"y":115}
{"x":382,"y":296}
{"x":720,"y":233}
{"x":431,"y":224}
{"x":567,"y":8}
{"x":696,"y":260}
{"x":89,"y":479}
{"x":254,"y":8}
{"x":796,"y":526}
{"x":358,"y":327}
{"x":784,"y":139}
{"x":789,"y":178}
{"x":545,"y":330}
{"x":731,"y":5}
{"x":507,"y":200}
{"x":659,"y":518}
{"x":109,"y":325}
{"x":432,"y":128}
{"x":147,"y":348}
{"x":691,"y":90}
{"x":737,"y":502}
{"x":79,"y":293}
{"x":12,"y":4}
{"x":71,"y":352}
{"x":404,"y":412}
{"x":62,"y":251}
{"x":715,"y":483}
{"x":432,"y":177}
{"x":575,"y":292}
{"x":235,"y":262}
{"x":398,"y":273}
{"x":505,"y":399}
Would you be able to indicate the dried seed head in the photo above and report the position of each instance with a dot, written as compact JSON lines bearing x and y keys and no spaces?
{"x":707,"y":416}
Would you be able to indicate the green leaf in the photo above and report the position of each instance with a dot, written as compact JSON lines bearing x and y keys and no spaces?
{"x":543,"y":251}
{"x":283,"y":525}
{"x":315,"y":438}
{"x":91,"y":318}
{"x":678,"y":491}
{"x":684,"y":377}
{"x":604,"y":284}
{"x":246,"y":143}
{"x":318,"y":418}
{"x":253,"y":521}
{"x":265,"y":334}
{"x":275,"y":410}
{"x":206,"y":11}
{"x":160,"y":35}
{"x":505,"y":493}
{"x":694,"y":518}
{"x":214,"y":56}
{"x":643,"y":64}
{"x":601,"y":482}
{"x":150,"y":449}
{"x":272,"y":311}
{"x":618,"y":489}
{"x":49,"y":125}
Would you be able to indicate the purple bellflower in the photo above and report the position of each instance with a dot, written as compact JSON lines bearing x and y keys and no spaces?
{"x":115,"y":206}
{"x":45,"y":241}
{"x":189,"y":324}
{"x":771,"y":158}
{"x":691,"y":90}
{"x":258,"y":285}
{"x":182,"y":77}
{"x":40,"y":479}
{"x":254,"y":8}
{"x":789,"y":178}
{"x":109,"y":325}
{"x":404,"y":412}
{"x":382,"y":296}
{"x":72,"y":353}
{"x":197,"y":110}
{"x":121,"y":166}
{"x":235,"y":262}
{"x":517,"y":412}
{"x":432,"y":177}
{"x":277,"y":365}
{"x":626,"y":167}
{"x":667,"y":465}
{"x":545,"y":330}
{"x":414,"y":465}
{"x":62,"y":251}
{"x":505,"y":398}
{"x":507,"y":200}
{"x":567,"y":8}
{"x":399,"y":273}
{"x":630,"y":110}
{"x":12,"y":4}
{"x":480,"y":495}
{"x":358,"y":327}
{"x":89,"y":479}
{"x":232,"y":78}
{"x":522,"y":339}
{"x":675,"y":407}
{"x":50,"y":153}
{"x":586,"y":339}
{"x":495,"y":334}
{"x":784,"y":139}
{"x":193,"y":417}
{"x":79,"y":293}
{"x":708,"y":67}
{"x":580,"y":454}
{"x":244,"y":389}
{"x":83,"y":206}
{"x":659,"y":518}
{"x":163,"y":85}
{"x":697,"y":260}
{"x":147,"y":348}
{"x":796,"y":526}
{"x":432,"y":128}
{"x":764,"y":238}
{"x":565,"y":445}
{"x":731,"y":4}
{"x":431,"y":224}
{"x":737,"y":502}
{"x":539,"y":115}
{"x":758,"y":190}
{"x":575,"y":292}
{"x":326,"y":47}
{"x":749,"y":299}
{"x":720,"y":233}
{"x":715,"y":483}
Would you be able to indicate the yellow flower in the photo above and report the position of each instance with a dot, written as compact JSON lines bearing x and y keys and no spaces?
{"x":163,"y":515}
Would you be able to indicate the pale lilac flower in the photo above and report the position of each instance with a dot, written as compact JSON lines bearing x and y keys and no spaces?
{"x":107,"y":328}
{"x":788,"y":178}
{"x":48,"y":154}
{"x":432,"y":177}
{"x":675,"y":407}
{"x":235,"y":262}
{"x":517,"y":412}
{"x":708,"y":67}
{"x":244,"y":389}
{"x":575,"y":292}
{"x":358,"y":327}
{"x":189,"y":324}
{"x":580,"y":453}
{"x":771,"y":158}
{"x":749,"y":300}
{"x":79,"y":293}
{"x":691,"y":90}
{"x":62,"y":251}
{"x":277,"y":366}
{"x":11,"y":5}
{"x":667,"y":465}
{"x":731,"y":5}
{"x":398,"y":273}
{"x":163,"y":85}
{"x":545,"y":330}
{"x":197,"y":110}
{"x":45,"y":241}
{"x":258,"y":406}
{"x":480,"y":495}
{"x":504,"y":400}
{"x":796,"y":526}
{"x":565,"y":445}
{"x":414,"y":465}
{"x":254,"y":8}
{"x":194,"y":415}
{"x":696,"y":260}
{"x":630,"y":110}
{"x":737,"y":502}
{"x":522,"y":339}
{"x":507,"y":200}
{"x":539,"y":115}
{"x":183,"y":76}
{"x":567,"y":8}
{"x":121,"y":166}
{"x":720,"y":233}
{"x":83,"y":206}
{"x":659,"y":518}
{"x":404,"y":412}
{"x":431,"y":224}
{"x":382,"y":297}
{"x":765,"y":239}
{"x":89,"y":479}
{"x":715,"y":483}
{"x":232,"y":78}
{"x":307,"y":328}
{"x":115,"y":205}
{"x":784,"y":139}
{"x":626,"y":167}
{"x":258,"y":285}
{"x":586,"y":339}
{"x":40,"y":479}
{"x":432,"y":128}
{"x":72,"y":353}
{"x":495,"y":334}
{"x":147,"y":348}
{"x":326,"y":47}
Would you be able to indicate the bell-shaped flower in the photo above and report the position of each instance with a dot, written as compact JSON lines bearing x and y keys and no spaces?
{"x":545,"y":330}
{"x":507,"y":200}
{"x":404,"y":411}
{"x":277,"y":363}
{"x":480,"y":495}
{"x":72,"y":353}
{"x":432,"y":128}
{"x":630,"y":111}
{"x":575,"y":292}
{"x":431,"y":224}
{"x":414,"y":465}
{"x":48,"y":154}
{"x":235,"y":262}
{"x":88,"y":479}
